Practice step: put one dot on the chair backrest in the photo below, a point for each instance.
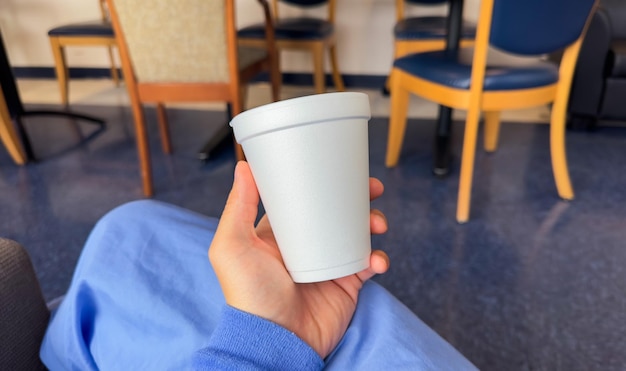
(23, 311)
(185, 41)
(517, 21)
(307, 4)
(534, 27)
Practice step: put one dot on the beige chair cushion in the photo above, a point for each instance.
(172, 44)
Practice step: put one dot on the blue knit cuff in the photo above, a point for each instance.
(244, 341)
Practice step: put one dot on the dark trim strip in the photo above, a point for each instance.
(297, 79)
(48, 73)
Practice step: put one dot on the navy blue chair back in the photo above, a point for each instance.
(533, 27)
(305, 2)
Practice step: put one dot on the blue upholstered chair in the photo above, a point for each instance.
(91, 33)
(416, 34)
(466, 80)
(302, 33)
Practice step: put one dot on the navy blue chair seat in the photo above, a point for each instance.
(428, 28)
(456, 71)
(96, 29)
(307, 32)
(302, 28)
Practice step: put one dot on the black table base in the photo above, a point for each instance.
(220, 140)
(441, 165)
(28, 148)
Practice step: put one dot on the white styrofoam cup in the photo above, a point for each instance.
(310, 160)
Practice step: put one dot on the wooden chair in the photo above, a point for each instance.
(9, 135)
(466, 81)
(93, 33)
(185, 52)
(303, 33)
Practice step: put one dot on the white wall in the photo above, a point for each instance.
(364, 30)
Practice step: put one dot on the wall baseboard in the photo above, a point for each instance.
(297, 79)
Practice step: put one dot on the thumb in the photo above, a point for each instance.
(242, 206)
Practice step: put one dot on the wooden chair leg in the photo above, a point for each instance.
(557, 148)
(318, 68)
(114, 74)
(492, 130)
(164, 130)
(8, 136)
(239, 156)
(141, 134)
(397, 119)
(337, 79)
(275, 78)
(467, 165)
(60, 66)
(557, 122)
(11, 141)
(236, 108)
(243, 99)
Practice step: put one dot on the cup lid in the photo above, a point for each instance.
(300, 111)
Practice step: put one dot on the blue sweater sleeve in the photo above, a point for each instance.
(243, 341)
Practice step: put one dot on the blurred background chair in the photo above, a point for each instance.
(195, 58)
(599, 86)
(418, 34)
(92, 33)
(24, 314)
(465, 80)
(303, 33)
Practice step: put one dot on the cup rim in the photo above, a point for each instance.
(300, 111)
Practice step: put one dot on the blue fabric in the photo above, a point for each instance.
(455, 70)
(266, 346)
(97, 28)
(428, 28)
(302, 28)
(534, 27)
(144, 297)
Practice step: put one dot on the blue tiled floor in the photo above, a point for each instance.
(530, 283)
